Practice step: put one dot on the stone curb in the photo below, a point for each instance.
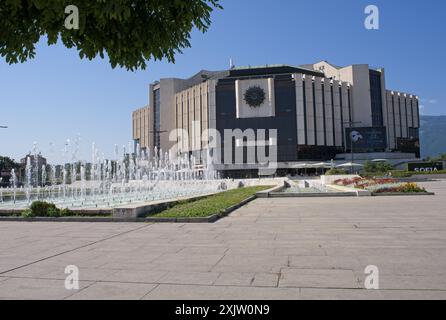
(79, 212)
(267, 193)
(390, 194)
(209, 219)
(312, 195)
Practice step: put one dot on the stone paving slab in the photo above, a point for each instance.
(413, 294)
(36, 289)
(318, 278)
(113, 291)
(340, 294)
(290, 248)
(235, 279)
(198, 278)
(188, 292)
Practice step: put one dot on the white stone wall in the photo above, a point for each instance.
(399, 106)
(195, 114)
(140, 126)
(318, 122)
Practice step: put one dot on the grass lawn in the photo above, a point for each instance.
(210, 205)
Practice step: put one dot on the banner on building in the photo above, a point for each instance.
(366, 139)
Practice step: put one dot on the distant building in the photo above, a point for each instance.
(38, 161)
(36, 172)
(315, 109)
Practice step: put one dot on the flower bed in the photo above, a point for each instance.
(402, 188)
(380, 185)
(364, 183)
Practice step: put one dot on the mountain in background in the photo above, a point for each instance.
(433, 136)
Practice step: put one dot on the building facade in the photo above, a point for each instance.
(313, 112)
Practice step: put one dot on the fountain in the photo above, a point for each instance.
(131, 177)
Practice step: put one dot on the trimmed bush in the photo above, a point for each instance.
(27, 213)
(44, 209)
(66, 213)
(378, 167)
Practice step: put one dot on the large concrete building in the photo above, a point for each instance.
(310, 111)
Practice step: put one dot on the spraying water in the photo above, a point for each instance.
(134, 175)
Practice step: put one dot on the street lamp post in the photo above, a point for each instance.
(350, 125)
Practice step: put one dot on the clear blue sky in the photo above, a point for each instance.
(57, 96)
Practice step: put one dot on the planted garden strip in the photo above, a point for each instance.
(381, 185)
(208, 206)
(178, 219)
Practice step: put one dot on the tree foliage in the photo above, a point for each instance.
(7, 163)
(378, 167)
(130, 32)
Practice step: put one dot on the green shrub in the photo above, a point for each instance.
(66, 213)
(53, 212)
(374, 174)
(335, 172)
(380, 168)
(43, 209)
(401, 174)
(27, 213)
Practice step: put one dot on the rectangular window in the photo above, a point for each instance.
(376, 98)
(156, 118)
(314, 114)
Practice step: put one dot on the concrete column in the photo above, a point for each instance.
(328, 114)
(390, 122)
(320, 116)
(396, 98)
(403, 115)
(311, 134)
(300, 109)
(337, 114)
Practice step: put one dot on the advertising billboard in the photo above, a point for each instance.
(366, 139)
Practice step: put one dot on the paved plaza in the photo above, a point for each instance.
(290, 248)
